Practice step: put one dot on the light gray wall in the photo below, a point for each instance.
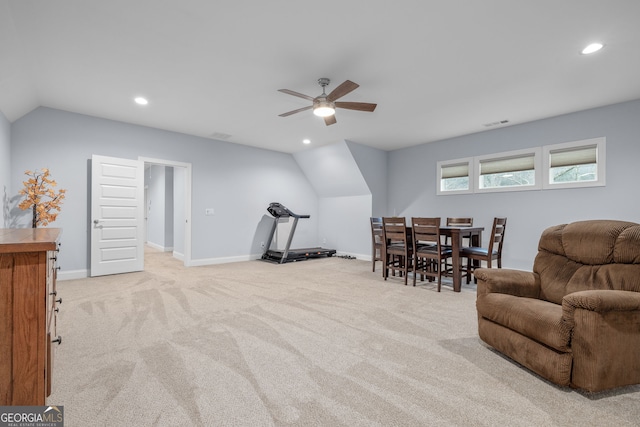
(412, 178)
(373, 167)
(344, 225)
(238, 181)
(178, 213)
(5, 169)
(332, 171)
(155, 181)
(344, 197)
(168, 208)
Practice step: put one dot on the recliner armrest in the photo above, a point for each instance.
(605, 337)
(506, 281)
(600, 301)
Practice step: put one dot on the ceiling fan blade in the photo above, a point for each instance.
(342, 90)
(295, 111)
(299, 95)
(330, 120)
(360, 106)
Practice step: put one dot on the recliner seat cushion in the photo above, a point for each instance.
(537, 319)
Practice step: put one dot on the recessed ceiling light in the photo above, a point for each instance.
(593, 47)
(306, 141)
(141, 101)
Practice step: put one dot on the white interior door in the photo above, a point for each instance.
(117, 215)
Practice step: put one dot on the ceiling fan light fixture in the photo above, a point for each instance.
(592, 48)
(325, 105)
(323, 108)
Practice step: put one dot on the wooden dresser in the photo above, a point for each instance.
(28, 312)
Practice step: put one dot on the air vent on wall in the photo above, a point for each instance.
(492, 124)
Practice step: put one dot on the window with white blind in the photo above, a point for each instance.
(454, 176)
(511, 171)
(566, 165)
(575, 164)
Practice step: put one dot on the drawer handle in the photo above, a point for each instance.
(57, 310)
(54, 293)
(59, 300)
(54, 258)
(58, 340)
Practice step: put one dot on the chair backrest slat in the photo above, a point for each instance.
(460, 222)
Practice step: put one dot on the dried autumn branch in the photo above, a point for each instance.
(41, 197)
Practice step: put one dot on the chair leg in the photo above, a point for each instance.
(415, 269)
(405, 267)
(385, 267)
(393, 261)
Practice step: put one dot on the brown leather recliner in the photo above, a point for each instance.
(574, 320)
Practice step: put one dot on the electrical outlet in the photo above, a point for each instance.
(209, 211)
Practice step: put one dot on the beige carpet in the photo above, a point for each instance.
(324, 342)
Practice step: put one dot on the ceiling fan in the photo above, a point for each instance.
(324, 105)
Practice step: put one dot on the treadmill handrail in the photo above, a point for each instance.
(278, 210)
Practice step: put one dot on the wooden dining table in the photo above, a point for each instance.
(457, 234)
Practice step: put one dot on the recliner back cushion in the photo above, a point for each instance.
(584, 255)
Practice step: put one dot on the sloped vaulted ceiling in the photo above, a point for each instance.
(436, 68)
(332, 171)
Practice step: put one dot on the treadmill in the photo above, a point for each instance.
(278, 211)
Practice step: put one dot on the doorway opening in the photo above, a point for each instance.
(167, 207)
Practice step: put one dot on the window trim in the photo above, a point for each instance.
(536, 152)
(445, 163)
(600, 143)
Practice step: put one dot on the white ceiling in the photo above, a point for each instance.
(436, 69)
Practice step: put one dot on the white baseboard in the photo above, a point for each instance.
(155, 246)
(83, 274)
(223, 260)
(160, 247)
(72, 274)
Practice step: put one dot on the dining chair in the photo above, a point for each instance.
(397, 253)
(429, 254)
(458, 222)
(476, 255)
(376, 241)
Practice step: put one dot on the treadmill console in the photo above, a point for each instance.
(278, 210)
